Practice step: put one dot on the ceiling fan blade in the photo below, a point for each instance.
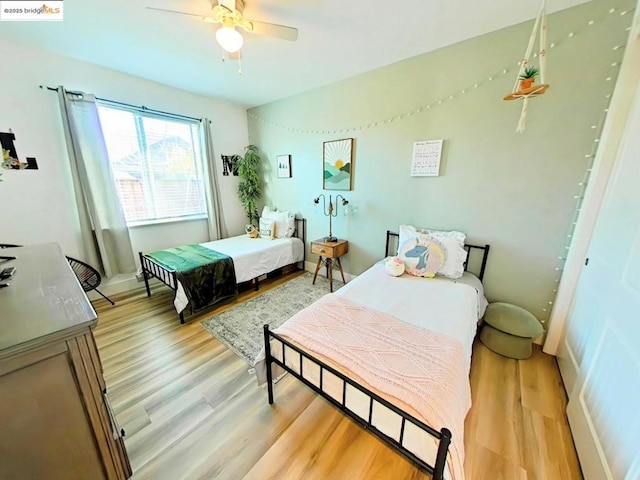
(272, 30)
(201, 17)
(229, 5)
(220, 12)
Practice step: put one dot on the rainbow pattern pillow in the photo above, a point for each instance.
(452, 241)
(422, 256)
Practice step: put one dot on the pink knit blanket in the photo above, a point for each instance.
(415, 369)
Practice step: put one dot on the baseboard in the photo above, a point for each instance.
(119, 284)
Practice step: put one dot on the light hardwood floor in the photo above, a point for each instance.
(191, 410)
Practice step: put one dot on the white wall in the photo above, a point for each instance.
(38, 205)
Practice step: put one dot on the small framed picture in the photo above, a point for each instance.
(284, 166)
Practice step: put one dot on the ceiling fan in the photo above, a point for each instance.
(229, 13)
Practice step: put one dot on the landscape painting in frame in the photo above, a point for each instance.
(338, 160)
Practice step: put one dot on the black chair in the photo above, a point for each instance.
(88, 276)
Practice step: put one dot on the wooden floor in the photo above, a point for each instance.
(191, 410)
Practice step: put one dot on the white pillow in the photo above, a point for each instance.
(291, 223)
(267, 228)
(279, 219)
(453, 243)
(285, 223)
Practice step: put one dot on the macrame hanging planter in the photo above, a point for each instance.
(523, 88)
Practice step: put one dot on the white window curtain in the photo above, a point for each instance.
(217, 226)
(104, 232)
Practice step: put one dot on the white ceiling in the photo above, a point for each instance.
(337, 39)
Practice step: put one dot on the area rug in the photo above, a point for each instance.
(241, 328)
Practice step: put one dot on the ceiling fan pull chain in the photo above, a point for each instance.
(239, 65)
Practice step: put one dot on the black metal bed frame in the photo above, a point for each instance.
(443, 436)
(151, 269)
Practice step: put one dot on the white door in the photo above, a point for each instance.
(603, 332)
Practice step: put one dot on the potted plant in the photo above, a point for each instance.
(249, 190)
(528, 77)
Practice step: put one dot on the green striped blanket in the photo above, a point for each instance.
(207, 276)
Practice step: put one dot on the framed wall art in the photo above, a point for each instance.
(284, 166)
(338, 164)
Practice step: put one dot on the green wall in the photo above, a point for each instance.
(514, 191)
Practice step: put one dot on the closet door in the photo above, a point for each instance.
(604, 326)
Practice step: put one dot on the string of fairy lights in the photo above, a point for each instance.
(441, 101)
(590, 156)
(582, 185)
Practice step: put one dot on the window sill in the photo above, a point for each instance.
(144, 223)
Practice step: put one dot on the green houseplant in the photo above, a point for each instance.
(528, 77)
(249, 190)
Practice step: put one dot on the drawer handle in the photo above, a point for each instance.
(322, 250)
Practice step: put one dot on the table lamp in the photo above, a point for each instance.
(332, 211)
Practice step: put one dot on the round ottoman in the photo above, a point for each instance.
(509, 330)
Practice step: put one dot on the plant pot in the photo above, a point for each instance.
(526, 83)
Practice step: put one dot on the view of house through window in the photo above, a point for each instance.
(156, 162)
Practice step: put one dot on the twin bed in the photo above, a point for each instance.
(202, 275)
(392, 353)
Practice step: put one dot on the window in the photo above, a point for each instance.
(156, 162)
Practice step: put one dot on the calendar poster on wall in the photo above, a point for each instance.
(425, 161)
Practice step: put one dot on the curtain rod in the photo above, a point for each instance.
(143, 108)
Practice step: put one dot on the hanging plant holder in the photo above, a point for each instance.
(524, 87)
(532, 91)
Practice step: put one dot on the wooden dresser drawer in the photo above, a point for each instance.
(330, 249)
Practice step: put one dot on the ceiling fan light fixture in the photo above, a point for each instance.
(229, 39)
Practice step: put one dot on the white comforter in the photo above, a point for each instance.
(252, 257)
(440, 304)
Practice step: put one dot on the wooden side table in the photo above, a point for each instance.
(329, 255)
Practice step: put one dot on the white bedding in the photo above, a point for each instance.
(446, 306)
(440, 304)
(252, 257)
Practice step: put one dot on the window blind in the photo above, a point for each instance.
(156, 162)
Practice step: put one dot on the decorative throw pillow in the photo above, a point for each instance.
(282, 222)
(452, 241)
(267, 228)
(291, 223)
(422, 257)
(394, 266)
(456, 255)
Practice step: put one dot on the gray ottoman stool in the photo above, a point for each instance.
(509, 330)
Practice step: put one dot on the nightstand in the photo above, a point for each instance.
(329, 255)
